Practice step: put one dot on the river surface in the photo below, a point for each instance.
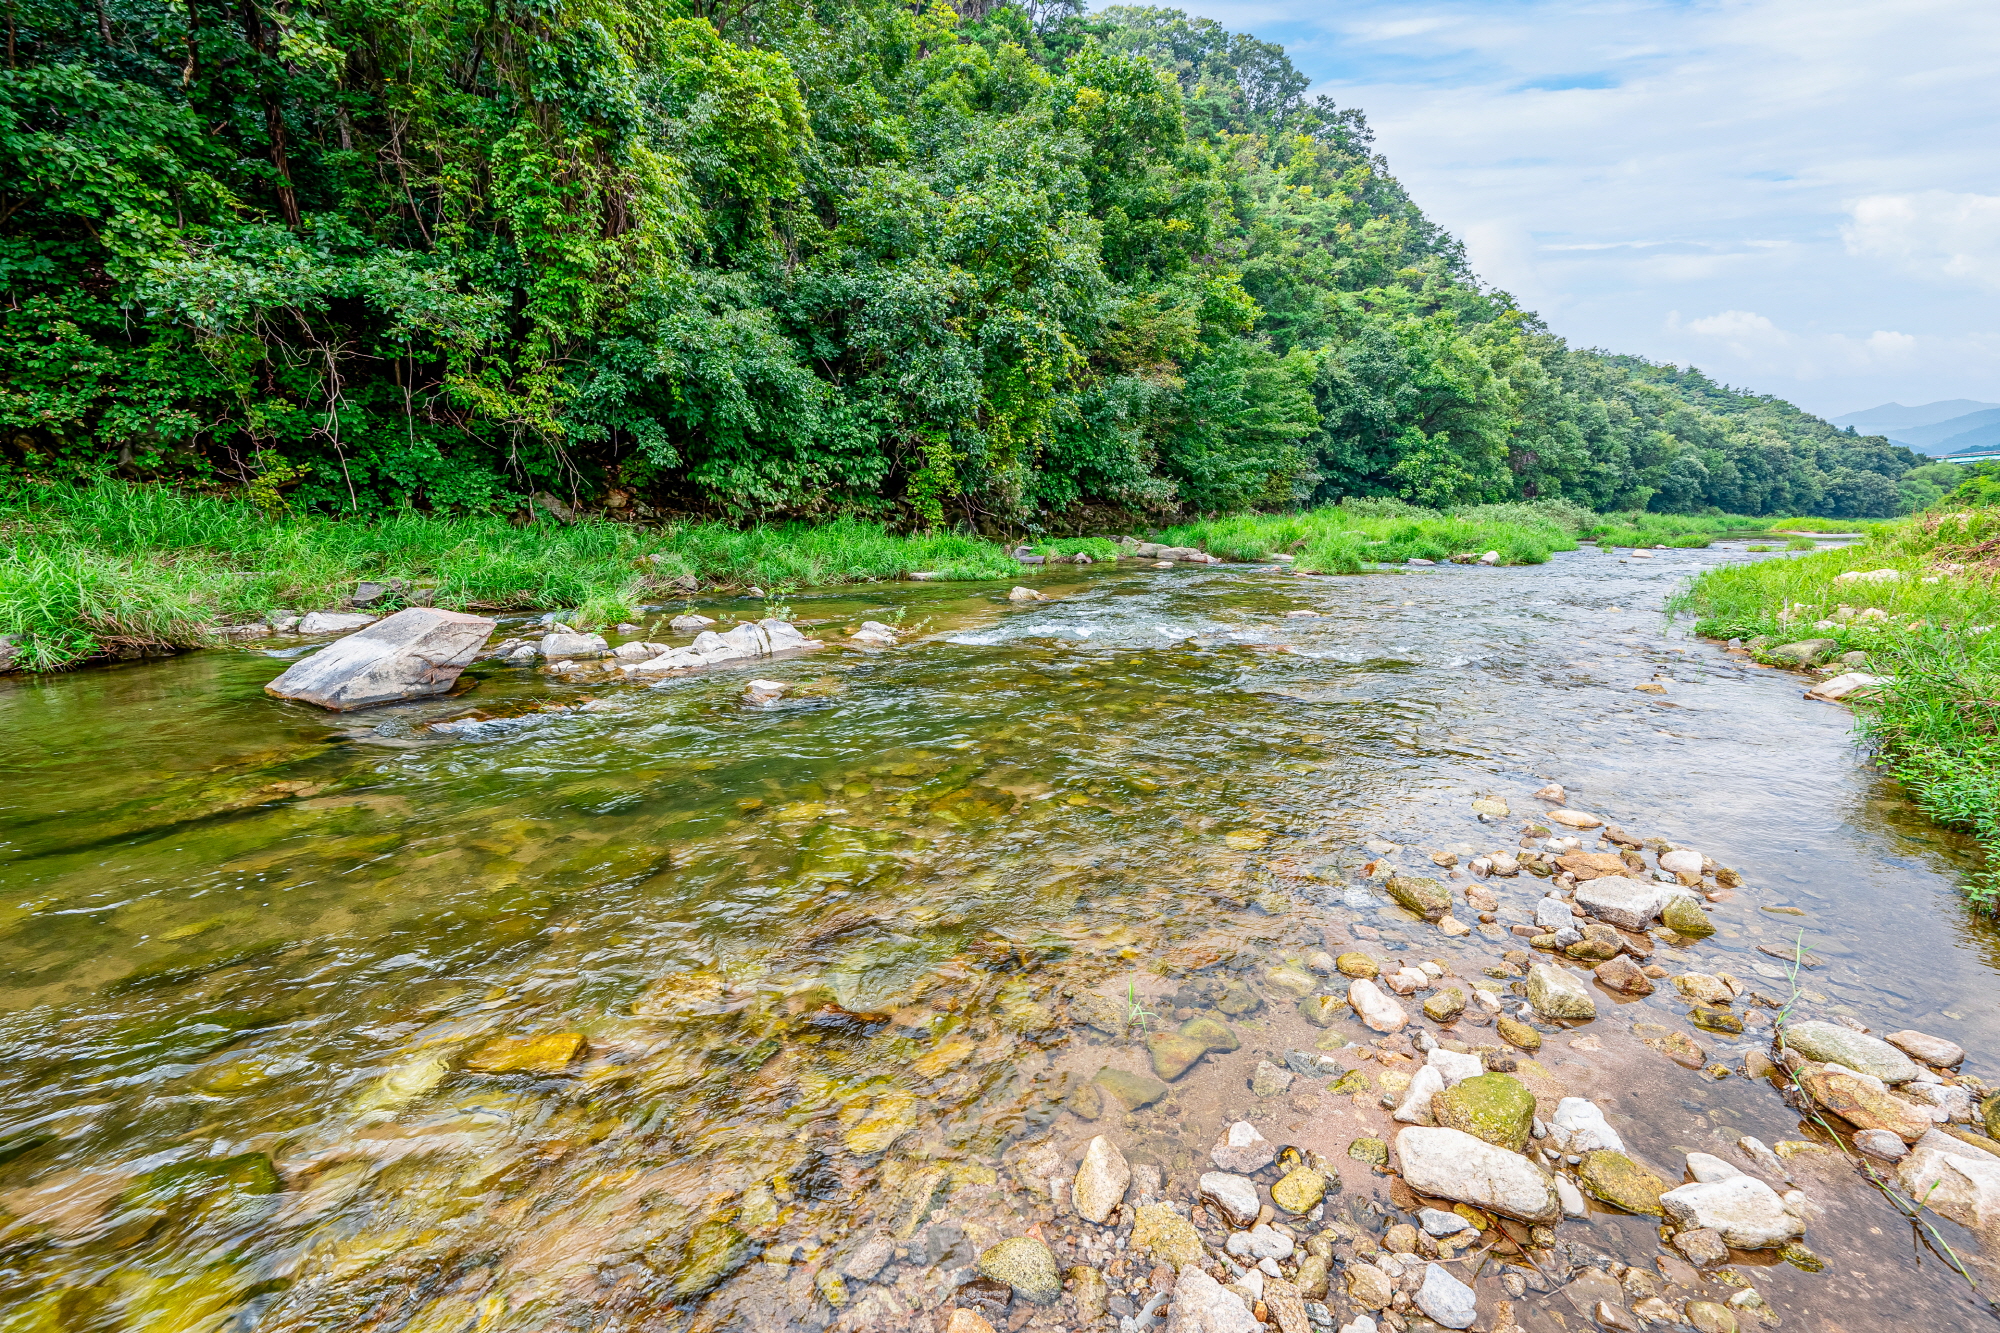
(828, 972)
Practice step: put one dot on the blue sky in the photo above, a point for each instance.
(1799, 197)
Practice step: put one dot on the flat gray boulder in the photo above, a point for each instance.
(333, 622)
(1623, 902)
(415, 653)
(1831, 1043)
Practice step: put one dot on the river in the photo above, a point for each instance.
(825, 974)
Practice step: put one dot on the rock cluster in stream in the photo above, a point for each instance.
(1483, 1154)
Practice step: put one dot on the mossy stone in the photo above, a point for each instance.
(1323, 1011)
(1492, 1107)
(1713, 1018)
(1616, 1179)
(1215, 1035)
(1026, 1265)
(1161, 1232)
(1683, 916)
(1296, 980)
(1300, 1191)
(1989, 1115)
(1372, 1151)
(1425, 897)
(1445, 1006)
(1517, 1033)
(714, 1250)
(1354, 963)
(1238, 999)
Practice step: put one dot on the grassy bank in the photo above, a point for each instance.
(1937, 724)
(86, 570)
(1343, 538)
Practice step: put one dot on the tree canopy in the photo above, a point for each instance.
(999, 267)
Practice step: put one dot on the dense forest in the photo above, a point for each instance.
(1006, 267)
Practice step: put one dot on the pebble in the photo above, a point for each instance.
(1101, 1180)
(1235, 1196)
(1437, 1222)
(1445, 1299)
(1556, 993)
(1242, 1150)
(1377, 1010)
(1260, 1242)
(1934, 1051)
(1025, 1264)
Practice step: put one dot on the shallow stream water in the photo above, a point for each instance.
(838, 968)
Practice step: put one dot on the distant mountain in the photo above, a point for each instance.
(1892, 419)
(1972, 430)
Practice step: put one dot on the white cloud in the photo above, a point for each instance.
(1610, 161)
(1933, 234)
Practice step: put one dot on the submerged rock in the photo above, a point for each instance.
(416, 653)
(1163, 1233)
(1133, 1091)
(549, 1054)
(1212, 1034)
(1621, 974)
(1174, 1054)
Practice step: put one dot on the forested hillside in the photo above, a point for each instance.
(781, 257)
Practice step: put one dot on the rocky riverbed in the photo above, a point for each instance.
(1205, 947)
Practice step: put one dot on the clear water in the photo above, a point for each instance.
(829, 962)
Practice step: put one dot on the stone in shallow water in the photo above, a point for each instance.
(1684, 916)
(1517, 1033)
(1216, 1036)
(1163, 1233)
(1450, 1164)
(1242, 1150)
(1323, 1011)
(1935, 1051)
(1375, 1152)
(1445, 1299)
(1356, 964)
(1742, 1210)
(1557, 993)
(1260, 1242)
(415, 653)
(550, 1054)
(1101, 1180)
(1492, 1107)
(1832, 1043)
(1616, 1179)
(1173, 1054)
(1203, 1305)
(1026, 1265)
(1621, 901)
(1270, 1080)
(1863, 1104)
(1133, 1091)
(1621, 974)
(1377, 1010)
(1300, 1191)
(1425, 897)
(1234, 1195)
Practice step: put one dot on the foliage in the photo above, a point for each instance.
(88, 570)
(1342, 539)
(998, 271)
(1937, 719)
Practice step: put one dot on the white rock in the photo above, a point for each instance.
(1621, 901)
(1451, 1164)
(764, 693)
(689, 624)
(1746, 1212)
(1020, 594)
(1375, 1009)
(1767, 1161)
(1575, 819)
(1490, 558)
(568, 647)
(1706, 1168)
(1455, 1066)
(1505, 866)
(1960, 1182)
(1416, 1105)
(1203, 1305)
(1682, 861)
(1362, 1323)
(1235, 1196)
(1242, 1149)
(335, 622)
(1572, 1198)
(1100, 1180)
(1406, 981)
(1556, 992)
(1438, 1222)
(1553, 913)
(1579, 1127)
(1446, 1300)
(1870, 576)
(1260, 1242)
(1846, 685)
(639, 652)
(417, 652)
(1835, 1043)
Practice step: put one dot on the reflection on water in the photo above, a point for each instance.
(639, 1006)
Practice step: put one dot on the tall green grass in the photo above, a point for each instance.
(88, 569)
(1345, 538)
(1937, 724)
(1640, 528)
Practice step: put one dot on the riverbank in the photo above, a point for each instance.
(1913, 607)
(117, 569)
